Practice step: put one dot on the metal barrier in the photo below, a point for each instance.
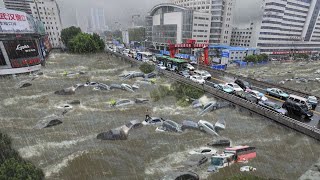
(287, 121)
(261, 84)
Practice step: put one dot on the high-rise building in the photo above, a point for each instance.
(47, 11)
(221, 17)
(244, 37)
(97, 20)
(19, 5)
(176, 24)
(289, 27)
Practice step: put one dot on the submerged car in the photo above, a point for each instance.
(313, 101)
(123, 102)
(208, 107)
(134, 124)
(207, 127)
(273, 106)
(220, 142)
(204, 151)
(196, 160)
(278, 93)
(113, 134)
(224, 88)
(243, 84)
(197, 79)
(247, 169)
(181, 176)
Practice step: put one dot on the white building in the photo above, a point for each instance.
(48, 12)
(291, 26)
(21, 5)
(97, 20)
(244, 37)
(177, 24)
(221, 17)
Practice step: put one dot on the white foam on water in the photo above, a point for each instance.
(39, 149)
(167, 163)
(172, 110)
(56, 168)
(14, 100)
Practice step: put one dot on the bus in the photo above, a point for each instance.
(242, 153)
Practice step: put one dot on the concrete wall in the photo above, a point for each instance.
(174, 18)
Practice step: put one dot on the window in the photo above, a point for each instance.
(2, 60)
(28, 48)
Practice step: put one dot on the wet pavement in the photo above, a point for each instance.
(71, 150)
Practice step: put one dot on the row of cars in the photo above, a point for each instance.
(294, 106)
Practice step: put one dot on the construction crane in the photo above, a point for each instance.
(133, 16)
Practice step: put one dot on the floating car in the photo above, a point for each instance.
(247, 169)
(181, 176)
(278, 93)
(134, 124)
(234, 86)
(171, 126)
(208, 107)
(204, 151)
(197, 79)
(187, 124)
(207, 127)
(123, 102)
(224, 88)
(49, 122)
(153, 121)
(141, 100)
(273, 106)
(196, 160)
(220, 142)
(113, 134)
(196, 104)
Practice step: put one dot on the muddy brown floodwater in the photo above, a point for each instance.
(71, 150)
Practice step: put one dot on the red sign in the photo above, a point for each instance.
(25, 62)
(12, 17)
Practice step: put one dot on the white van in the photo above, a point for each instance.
(300, 100)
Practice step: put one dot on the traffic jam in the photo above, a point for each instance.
(302, 109)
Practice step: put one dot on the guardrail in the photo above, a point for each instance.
(256, 82)
(287, 121)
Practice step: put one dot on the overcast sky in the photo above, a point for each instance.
(122, 10)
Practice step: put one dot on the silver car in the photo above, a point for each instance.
(207, 127)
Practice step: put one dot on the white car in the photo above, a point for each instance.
(204, 151)
(161, 66)
(203, 73)
(258, 95)
(207, 127)
(234, 86)
(247, 169)
(197, 79)
(190, 67)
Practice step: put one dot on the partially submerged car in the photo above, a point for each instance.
(220, 142)
(123, 102)
(196, 104)
(278, 93)
(156, 121)
(188, 175)
(208, 107)
(49, 121)
(113, 134)
(171, 126)
(189, 67)
(185, 74)
(207, 127)
(297, 110)
(243, 84)
(273, 106)
(246, 96)
(133, 124)
(204, 74)
(247, 168)
(188, 124)
(196, 160)
(204, 151)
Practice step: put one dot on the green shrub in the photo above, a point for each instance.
(160, 92)
(146, 68)
(245, 177)
(183, 90)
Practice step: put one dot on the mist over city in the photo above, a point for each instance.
(159, 89)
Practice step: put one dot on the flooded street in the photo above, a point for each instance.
(71, 150)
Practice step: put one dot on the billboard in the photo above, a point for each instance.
(22, 53)
(15, 21)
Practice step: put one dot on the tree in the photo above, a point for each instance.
(251, 58)
(13, 169)
(69, 33)
(100, 42)
(146, 68)
(262, 57)
(137, 34)
(84, 43)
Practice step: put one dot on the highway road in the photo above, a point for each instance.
(224, 79)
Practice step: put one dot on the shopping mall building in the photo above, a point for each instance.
(23, 43)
